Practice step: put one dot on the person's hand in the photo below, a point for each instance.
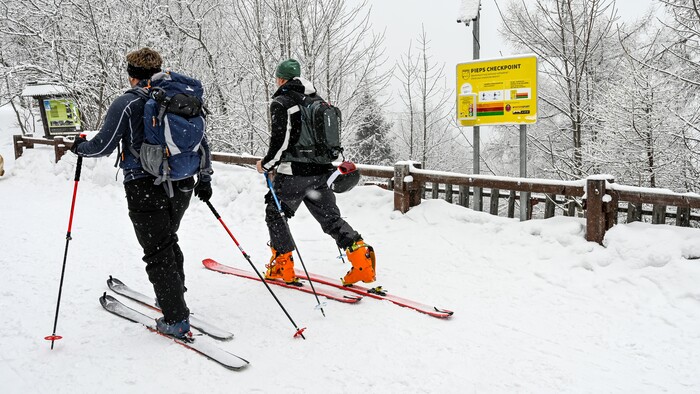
(78, 140)
(288, 212)
(203, 191)
(258, 166)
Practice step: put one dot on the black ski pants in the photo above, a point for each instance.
(156, 219)
(292, 190)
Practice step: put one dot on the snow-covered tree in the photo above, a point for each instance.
(373, 144)
(572, 40)
(232, 46)
(334, 43)
(426, 128)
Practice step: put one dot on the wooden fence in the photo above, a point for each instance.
(598, 198)
(60, 145)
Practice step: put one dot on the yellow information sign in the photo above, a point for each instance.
(501, 91)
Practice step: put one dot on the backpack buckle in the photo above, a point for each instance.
(157, 94)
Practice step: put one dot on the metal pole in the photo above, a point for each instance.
(53, 337)
(319, 305)
(524, 196)
(476, 140)
(300, 331)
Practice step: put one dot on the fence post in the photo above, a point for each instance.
(448, 193)
(658, 214)
(570, 206)
(493, 201)
(549, 205)
(407, 192)
(416, 190)
(683, 216)
(59, 147)
(610, 207)
(401, 197)
(634, 212)
(18, 144)
(530, 208)
(597, 219)
(511, 204)
(464, 196)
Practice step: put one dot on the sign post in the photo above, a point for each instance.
(476, 132)
(524, 196)
(500, 92)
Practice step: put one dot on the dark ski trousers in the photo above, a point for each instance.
(292, 190)
(156, 219)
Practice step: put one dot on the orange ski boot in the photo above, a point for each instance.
(363, 262)
(281, 266)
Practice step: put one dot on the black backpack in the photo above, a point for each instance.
(319, 141)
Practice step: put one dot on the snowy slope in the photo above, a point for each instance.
(537, 308)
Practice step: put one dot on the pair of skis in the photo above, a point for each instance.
(330, 288)
(199, 345)
(334, 290)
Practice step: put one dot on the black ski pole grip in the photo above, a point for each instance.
(79, 164)
(78, 168)
(216, 214)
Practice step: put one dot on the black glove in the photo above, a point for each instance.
(203, 191)
(78, 140)
(288, 212)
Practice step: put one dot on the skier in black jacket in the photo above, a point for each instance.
(296, 182)
(156, 218)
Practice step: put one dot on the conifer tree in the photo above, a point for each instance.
(372, 142)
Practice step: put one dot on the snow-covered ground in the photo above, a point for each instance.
(537, 308)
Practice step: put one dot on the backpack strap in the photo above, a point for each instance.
(169, 189)
(164, 180)
(158, 94)
(142, 93)
(166, 169)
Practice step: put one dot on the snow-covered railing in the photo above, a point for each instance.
(598, 198)
(60, 145)
(617, 198)
(547, 190)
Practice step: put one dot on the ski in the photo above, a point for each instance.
(209, 350)
(120, 288)
(380, 294)
(332, 294)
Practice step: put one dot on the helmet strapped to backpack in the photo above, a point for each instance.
(344, 178)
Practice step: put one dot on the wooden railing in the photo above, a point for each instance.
(60, 145)
(598, 198)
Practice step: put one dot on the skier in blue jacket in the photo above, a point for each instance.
(155, 217)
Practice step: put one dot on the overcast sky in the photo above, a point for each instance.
(451, 42)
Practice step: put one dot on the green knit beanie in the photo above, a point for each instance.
(288, 69)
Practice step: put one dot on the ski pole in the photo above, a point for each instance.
(340, 255)
(284, 218)
(53, 337)
(300, 332)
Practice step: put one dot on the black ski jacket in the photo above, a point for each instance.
(286, 128)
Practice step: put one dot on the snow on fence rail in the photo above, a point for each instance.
(60, 145)
(598, 198)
